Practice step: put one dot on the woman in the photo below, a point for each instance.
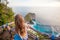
(21, 28)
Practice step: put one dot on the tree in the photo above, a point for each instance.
(6, 14)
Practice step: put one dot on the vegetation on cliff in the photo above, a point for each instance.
(27, 17)
(6, 14)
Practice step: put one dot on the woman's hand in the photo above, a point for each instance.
(8, 28)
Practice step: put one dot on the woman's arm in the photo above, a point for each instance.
(29, 26)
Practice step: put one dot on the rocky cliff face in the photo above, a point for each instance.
(29, 17)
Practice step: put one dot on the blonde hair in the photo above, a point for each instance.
(19, 22)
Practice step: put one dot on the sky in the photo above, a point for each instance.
(47, 11)
(34, 3)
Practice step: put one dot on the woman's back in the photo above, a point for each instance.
(19, 37)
